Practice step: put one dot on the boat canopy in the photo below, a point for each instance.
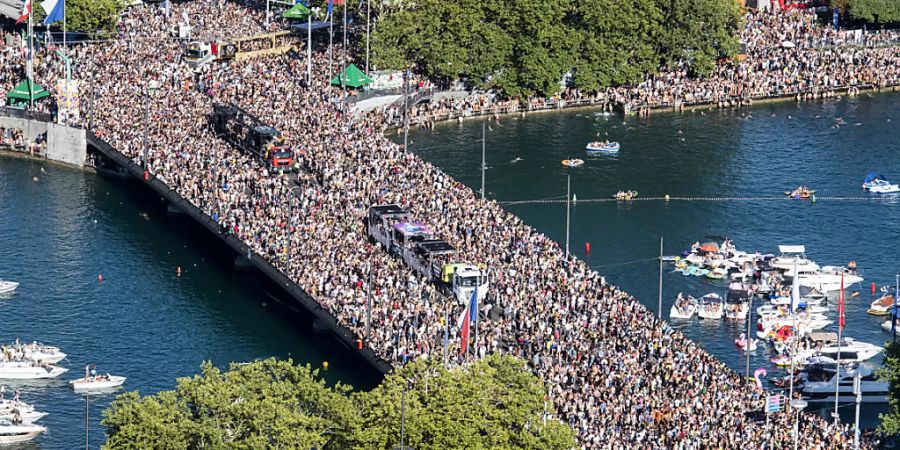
(872, 176)
(711, 298)
(736, 296)
(709, 247)
(823, 337)
(792, 249)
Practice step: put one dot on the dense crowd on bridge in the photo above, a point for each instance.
(618, 375)
(787, 54)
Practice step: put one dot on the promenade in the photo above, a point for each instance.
(618, 375)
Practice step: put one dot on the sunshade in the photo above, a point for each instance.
(354, 77)
(298, 11)
(20, 92)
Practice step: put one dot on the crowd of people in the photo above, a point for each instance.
(618, 375)
(786, 54)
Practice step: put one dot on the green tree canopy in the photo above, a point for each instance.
(875, 10)
(525, 47)
(98, 18)
(265, 404)
(495, 403)
(890, 422)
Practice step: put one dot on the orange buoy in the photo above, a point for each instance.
(873, 288)
(100, 278)
(587, 248)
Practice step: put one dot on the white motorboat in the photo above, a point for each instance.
(876, 183)
(11, 433)
(27, 370)
(711, 307)
(683, 308)
(851, 351)
(98, 382)
(35, 351)
(826, 279)
(792, 255)
(873, 391)
(882, 305)
(25, 416)
(886, 326)
(7, 287)
(737, 303)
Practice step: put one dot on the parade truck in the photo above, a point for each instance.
(435, 259)
(247, 133)
(199, 53)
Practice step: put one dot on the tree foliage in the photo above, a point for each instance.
(524, 47)
(495, 403)
(875, 10)
(96, 17)
(890, 422)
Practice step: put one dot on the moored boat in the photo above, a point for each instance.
(683, 308)
(93, 381)
(881, 306)
(876, 183)
(7, 287)
(872, 390)
(711, 307)
(602, 147)
(572, 162)
(11, 433)
(27, 370)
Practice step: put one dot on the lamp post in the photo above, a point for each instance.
(798, 405)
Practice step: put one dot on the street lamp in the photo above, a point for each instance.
(799, 405)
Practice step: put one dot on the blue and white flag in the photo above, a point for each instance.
(894, 312)
(55, 9)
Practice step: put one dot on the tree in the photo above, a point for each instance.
(875, 10)
(264, 404)
(890, 422)
(495, 403)
(98, 18)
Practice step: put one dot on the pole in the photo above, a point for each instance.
(749, 340)
(837, 376)
(894, 310)
(267, 14)
(30, 61)
(446, 332)
(483, 135)
(794, 334)
(87, 427)
(369, 305)
(309, 49)
(330, 40)
(368, 19)
(660, 275)
(344, 58)
(405, 111)
(568, 199)
(796, 422)
(64, 26)
(858, 401)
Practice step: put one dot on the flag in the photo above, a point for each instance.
(464, 330)
(894, 312)
(841, 304)
(330, 6)
(473, 306)
(26, 11)
(795, 290)
(55, 9)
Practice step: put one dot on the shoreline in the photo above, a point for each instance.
(25, 155)
(588, 105)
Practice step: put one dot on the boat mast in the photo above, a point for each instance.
(568, 198)
(837, 376)
(794, 332)
(483, 135)
(749, 339)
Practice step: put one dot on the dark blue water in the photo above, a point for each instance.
(757, 152)
(59, 233)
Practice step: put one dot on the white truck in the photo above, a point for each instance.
(432, 258)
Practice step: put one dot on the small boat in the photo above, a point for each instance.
(35, 352)
(11, 432)
(27, 370)
(92, 381)
(793, 256)
(802, 192)
(737, 302)
(876, 183)
(711, 307)
(602, 147)
(683, 308)
(625, 195)
(7, 287)
(25, 416)
(572, 162)
(886, 325)
(881, 306)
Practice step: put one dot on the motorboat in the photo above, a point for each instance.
(826, 279)
(35, 351)
(872, 390)
(711, 307)
(602, 147)
(851, 350)
(7, 287)
(27, 370)
(801, 193)
(881, 306)
(11, 433)
(876, 183)
(625, 195)
(572, 162)
(97, 382)
(886, 325)
(25, 416)
(27, 413)
(683, 308)
(737, 302)
(791, 255)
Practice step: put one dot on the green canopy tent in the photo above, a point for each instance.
(297, 12)
(355, 77)
(20, 94)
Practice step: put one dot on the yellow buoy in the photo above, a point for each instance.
(325, 365)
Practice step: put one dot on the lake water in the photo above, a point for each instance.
(756, 152)
(59, 233)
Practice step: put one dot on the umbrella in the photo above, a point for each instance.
(709, 247)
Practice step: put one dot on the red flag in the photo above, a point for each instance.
(464, 331)
(26, 11)
(841, 304)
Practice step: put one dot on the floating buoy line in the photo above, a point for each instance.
(668, 198)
